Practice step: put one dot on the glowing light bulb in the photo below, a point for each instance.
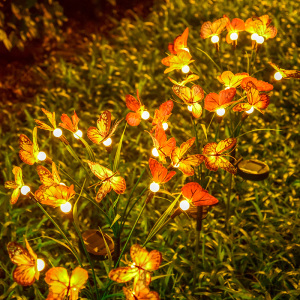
(154, 187)
(25, 189)
(185, 69)
(190, 108)
(107, 142)
(145, 115)
(61, 183)
(277, 76)
(260, 39)
(133, 265)
(215, 39)
(227, 88)
(254, 36)
(57, 132)
(234, 36)
(40, 264)
(220, 112)
(165, 126)
(186, 49)
(176, 165)
(155, 152)
(184, 205)
(78, 134)
(42, 156)
(66, 207)
(250, 111)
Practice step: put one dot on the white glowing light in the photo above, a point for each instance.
(133, 265)
(260, 39)
(277, 76)
(184, 205)
(42, 156)
(155, 152)
(57, 132)
(186, 49)
(107, 142)
(66, 207)
(190, 108)
(165, 126)
(61, 183)
(25, 189)
(254, 36)
(215, 39)
(78, 134)
(250, 111)
(176, 165)
(145, 115)
(234, 36)
(227, 88)
(220, 112)
(185, 69)
(40, 264)
(154, 187)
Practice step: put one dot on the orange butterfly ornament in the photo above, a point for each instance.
(189, 78)
(214, 157)
(233, 28)
(163, 146)
(176, 62)
(285, 74)
(15, 185)
(185, 164)
(194, 192)
(140, 292)
(104, 130)
(62, 286)
(51, 117)
(191, 97)
(143, 263)
(26, 271)
(46, 177)
(134, 118)
(214, 101)
(260, 85)
(163, 113)
(29, 149)
(67, 123)
(180, 42)
(261, 26)
(110, 180)
(211, 29)
(231, 80)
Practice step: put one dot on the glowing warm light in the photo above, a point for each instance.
(234, 36)
(133, 265)
(254, 36)
(154, 187)
(57, 132)
(227, 88)
(77, 134)
(176, 165)
(277, 76)
(185, 69)
(145, 115)
(215, 39)
(165, 126)
(190, 108)
(184, 205)
(220, 112)
(74, 289)
(61, 183)
(40, 264)
(25, 189)
(155, 152)
(186, 49)
(66, 207)
(42, 156)
(107, 142)
(260, 39)
(250, 111)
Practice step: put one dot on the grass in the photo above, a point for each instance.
(258, 257)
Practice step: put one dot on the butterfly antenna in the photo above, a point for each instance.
(98, 183)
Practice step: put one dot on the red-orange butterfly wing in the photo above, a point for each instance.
(159, 172)
(118, 184)
(260, 85)
(123, 274)
(26, 152)
(180, 42)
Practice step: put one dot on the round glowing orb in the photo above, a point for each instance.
(220, 112)
(25, 189)
(250, 111)
(155, 152)
(185, 69)
(186, 49)
(57, 132)
(66, 207)
(154, 187)
(61, 183)
(184, 205)
(107, 142)
(227, 88)
(42, 156)
(254, 36)
(215, 39)
(78, 134)
(165, 126)
(260, 39)
(40, 264)
(234, 36)
(176, 165)
(145, 115)
(190, 108)
(133, 265)
(277, 76)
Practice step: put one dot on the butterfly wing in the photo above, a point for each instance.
(184, 93)
(58, 281)
(196, 110)
(225, 145)
(181, 41)
(101, 172)
(26, 152)
(185, 166)
(45, 175)
(206, 30)
(159, 172)
(142, 292)
(132, 103)
(104, 189)
(118, 184)
(178, 153)
(50, 116)
(133, 119)
(78, 280)
(123, 274)
(258, 101)
(219, 25)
